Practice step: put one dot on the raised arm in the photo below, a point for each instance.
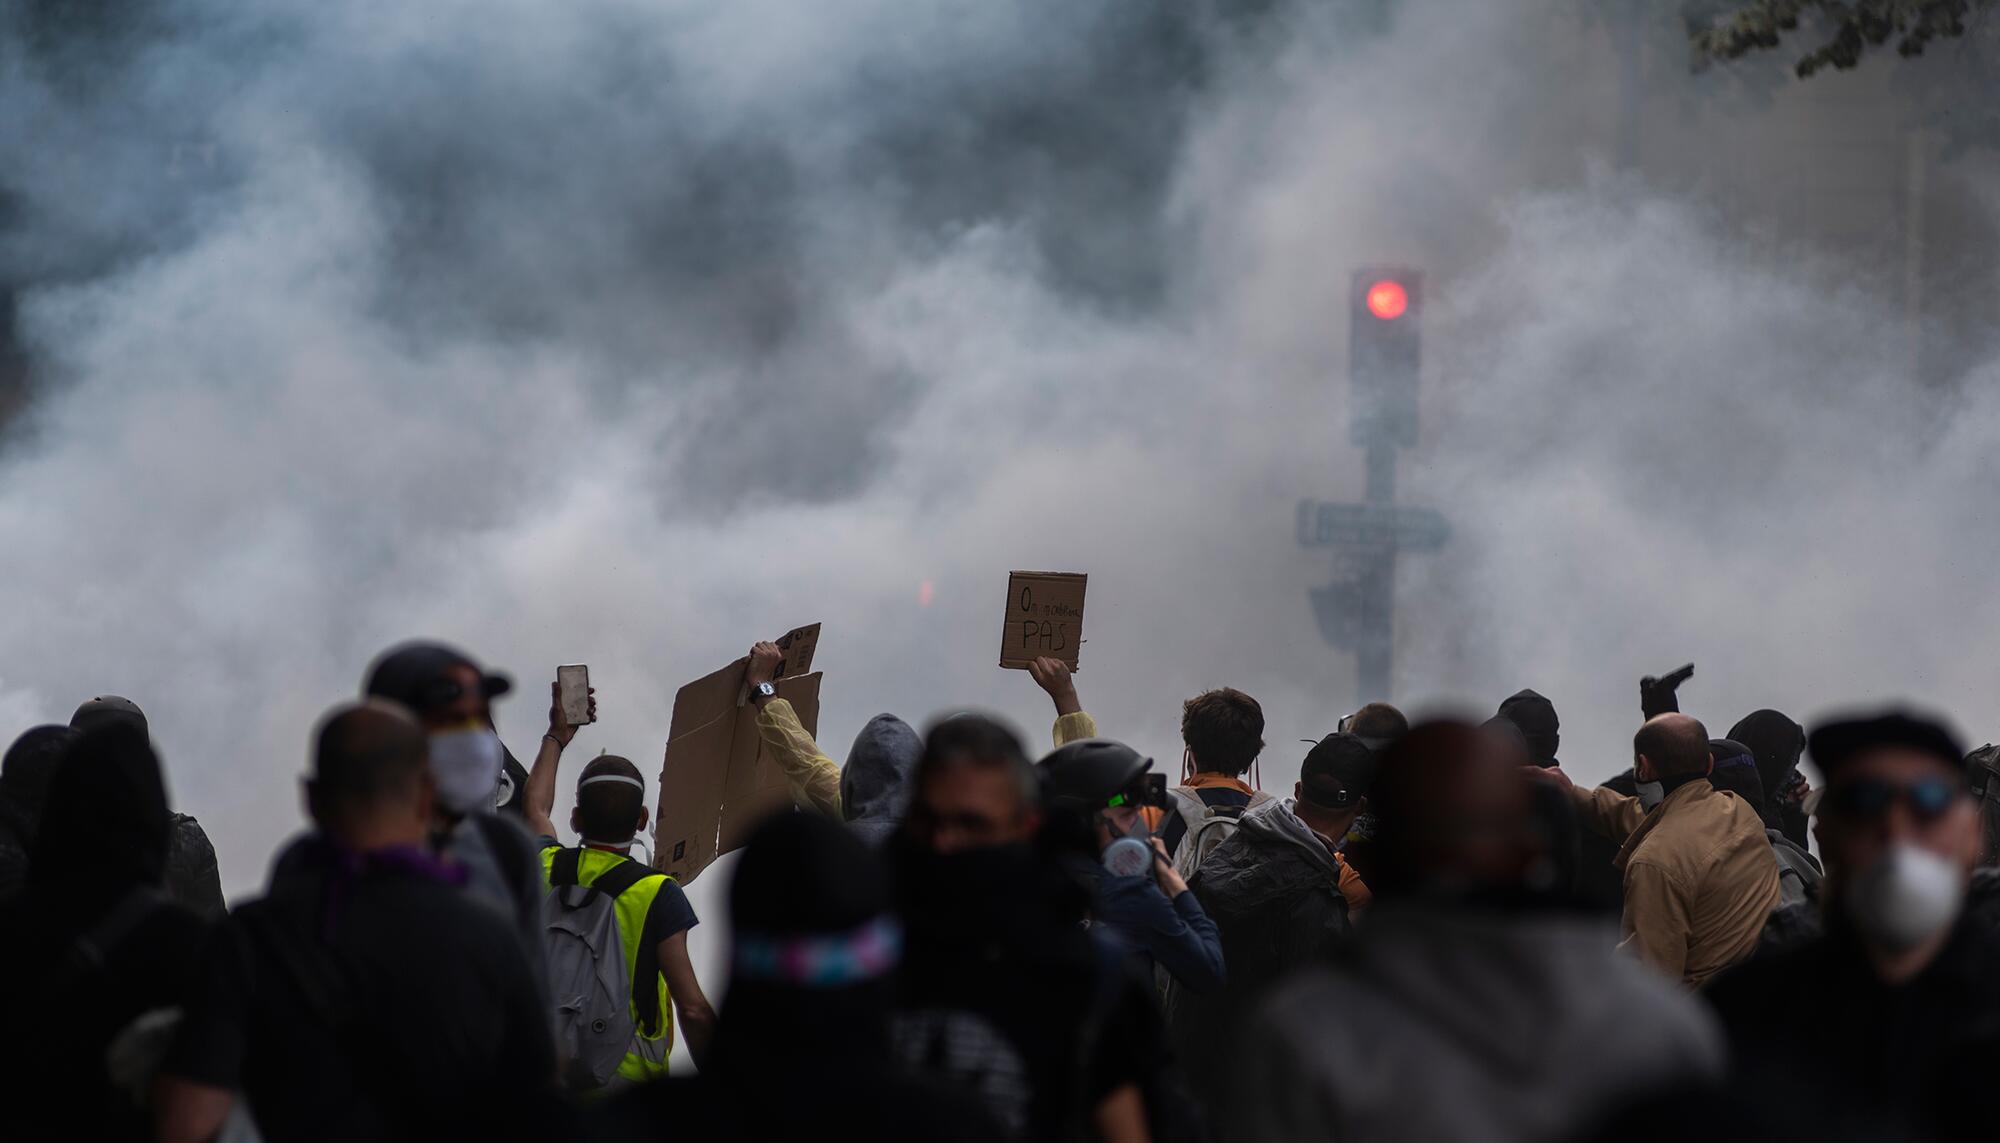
(1054, 677)
(814, 777)
(538, 801)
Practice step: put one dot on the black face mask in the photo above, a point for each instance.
(991, 889)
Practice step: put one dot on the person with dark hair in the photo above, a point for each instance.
(1700, 879)
(597, 882)
(1470, 1007)
(97, 958)
(1223, 733)
(1377, 724)
(193, 878)
(1004, 992)
(25, 773)
(1282, 897)
(452, 698)
(815, 948)
(364, 996)
(1776, 742)
(1888, 1023)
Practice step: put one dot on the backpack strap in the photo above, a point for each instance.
(614, 881)
(562, 868)
(94, 946)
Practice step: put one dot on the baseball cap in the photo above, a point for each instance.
(416, 675)
(1337, 771)
(1835, 743)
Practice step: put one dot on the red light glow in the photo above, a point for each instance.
(1387, 300)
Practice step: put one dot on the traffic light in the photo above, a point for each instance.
(1383, 366)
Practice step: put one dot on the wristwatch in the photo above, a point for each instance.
(761, 692)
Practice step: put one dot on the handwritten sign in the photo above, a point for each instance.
(1044, 618)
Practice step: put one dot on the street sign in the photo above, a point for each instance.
(1384, 527)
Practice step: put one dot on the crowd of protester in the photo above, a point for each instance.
(1434, 934)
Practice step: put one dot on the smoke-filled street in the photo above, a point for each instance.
(361, 365)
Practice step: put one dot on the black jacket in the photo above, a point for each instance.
(1815, 1030)
(1273, 891)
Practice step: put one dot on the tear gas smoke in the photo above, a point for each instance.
(629, 332)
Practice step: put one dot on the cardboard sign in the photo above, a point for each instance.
(1044, 618)
(718, 779)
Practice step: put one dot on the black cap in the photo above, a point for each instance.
(1337, 771)
(415, 674)
(1834, 744)
(1092, 771)
(108, 708)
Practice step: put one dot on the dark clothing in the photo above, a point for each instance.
(16, 834)
(875, 783)
(1003, 993)
(1600, 884)
(192, 876)
(874, 1108)
(58, 1016)
(378, 1005)
(92, 944)
(1776, 742)
(1536, 716)
(1177, 935)
(1273, 889)
(1176, 826)
(1814, 1029)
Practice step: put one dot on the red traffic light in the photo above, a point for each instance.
(1387, 299)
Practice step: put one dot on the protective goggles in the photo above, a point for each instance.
(1150, 790)
(1870, 799)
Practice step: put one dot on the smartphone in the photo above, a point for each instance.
(573, 692)
(1156, 790)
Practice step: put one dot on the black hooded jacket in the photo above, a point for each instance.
(93, 943)
(1776, 742)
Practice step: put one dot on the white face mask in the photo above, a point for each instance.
(1905, 898)
(1650, 793)
(466, 765)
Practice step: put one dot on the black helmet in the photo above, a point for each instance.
(1091, 772)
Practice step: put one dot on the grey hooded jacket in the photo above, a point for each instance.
(1450, 1023)
(875, 783)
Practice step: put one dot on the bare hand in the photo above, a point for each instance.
(1552, 774)
(1053, 676)
(765, 661)
(559, 727)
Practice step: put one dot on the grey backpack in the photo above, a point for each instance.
(588, 981)
(1207, 826)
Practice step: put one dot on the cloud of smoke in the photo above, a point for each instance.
(627, 333)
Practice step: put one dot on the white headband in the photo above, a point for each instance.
(625, 778)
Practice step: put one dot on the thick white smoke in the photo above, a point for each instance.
(627, 333)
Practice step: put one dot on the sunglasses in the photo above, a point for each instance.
(1869, 799)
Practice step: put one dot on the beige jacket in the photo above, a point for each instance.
(1700, 880)
(815, 779)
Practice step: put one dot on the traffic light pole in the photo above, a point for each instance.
(1375, 649)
